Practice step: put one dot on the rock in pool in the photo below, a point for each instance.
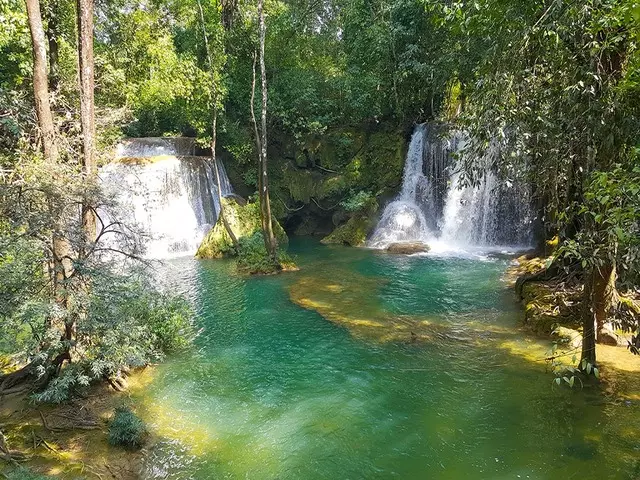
(407, 248)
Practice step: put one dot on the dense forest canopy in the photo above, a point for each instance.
(550, 88)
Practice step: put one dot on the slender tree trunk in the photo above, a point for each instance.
(269, 237)
(40, 82)
(214, 127)
(258, 144)
(60, 267)
(588, 324)
(87, 108)
(53, 32)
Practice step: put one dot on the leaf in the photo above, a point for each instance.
(596, 372)
(589, 367)
(572, 381)
(558, 380)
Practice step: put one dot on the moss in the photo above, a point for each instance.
(547, 307)
(379, 163)
(244, 221)
(253, 258)
(353, 233)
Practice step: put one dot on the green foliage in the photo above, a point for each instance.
(611, 209)
(127, 323)
(253, 257)
(359, 201)
(127, 429)
(119, 316)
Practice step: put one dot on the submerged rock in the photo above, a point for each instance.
(407, 248)
(244, 219)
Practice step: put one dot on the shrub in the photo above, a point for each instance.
(127, 429)
(253, 257)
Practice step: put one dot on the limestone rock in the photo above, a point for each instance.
(407, 248)
(353, 233)
(244, 219)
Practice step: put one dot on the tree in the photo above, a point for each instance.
(263, 182)
(87, 107)
(40, 82)
(214, 123)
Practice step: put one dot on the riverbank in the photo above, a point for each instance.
(70, 440)
(552, 311)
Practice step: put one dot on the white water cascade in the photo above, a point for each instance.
(165, 191)
(434, 207)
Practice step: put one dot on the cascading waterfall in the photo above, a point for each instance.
(404, 219)
(435, 207)
(166, 193)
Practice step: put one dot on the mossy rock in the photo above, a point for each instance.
(353, 233)
(379, 164)
(547, 308)
(244, 220)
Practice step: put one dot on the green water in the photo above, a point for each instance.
(277, 391)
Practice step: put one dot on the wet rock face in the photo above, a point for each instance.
(407, 248)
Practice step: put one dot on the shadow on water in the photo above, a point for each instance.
(370, 366)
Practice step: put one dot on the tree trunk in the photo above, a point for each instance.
(40, 82)
(588, 324)
(60, 267)
(214, 127)
(258, 145)
(269, 237)
(53, 32)
(604, 295)
(87, 108)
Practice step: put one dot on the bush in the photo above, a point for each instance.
(127, 323)
(253, 257)
(127, 429)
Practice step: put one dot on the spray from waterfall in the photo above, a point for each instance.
(435, 207)
(169, 194)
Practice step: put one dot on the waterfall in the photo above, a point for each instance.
(435, 207)
(165, 192)
(404, 219)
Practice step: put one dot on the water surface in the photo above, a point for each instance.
(406, 375)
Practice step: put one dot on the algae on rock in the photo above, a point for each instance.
(353, 233)
(244, 220)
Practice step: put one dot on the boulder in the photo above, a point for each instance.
(353, 233)
(609, 337)
(407, 248)
(244, 219)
